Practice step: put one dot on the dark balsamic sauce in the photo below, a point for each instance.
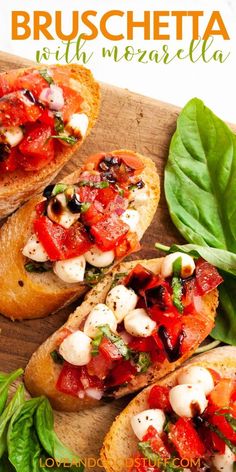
(173, 352)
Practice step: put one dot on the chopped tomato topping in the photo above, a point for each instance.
(32, 81)
(123, 372)
(36, 147)
(17, 110)
(5, 87)
(132, 161)
(99, 366)
(159, 398)
(72, 100)
(109, 350)
(221, 395)
(129, 245)
(186, 439)
(207, 277)
(92, 215)
(69, 380)
(106, 195)
(219, 420)
(215, 375)
(11, 162)
(61, 243)
(156, 442)
(109, 232)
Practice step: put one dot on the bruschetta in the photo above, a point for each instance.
(45, 114)
(185, 422)
(137, 325)
(59, 243)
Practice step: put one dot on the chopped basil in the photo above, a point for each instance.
(177, 285)
(56, 357)
(143, 362)
(44, 73)
(59, 123)
(166, 465)
(116, 340)
(93, 275)
(117, 277)
(85, 206)
(38, 267)
(96, 343)
(71, 140)
(120, 190)
(59, 188)
(219, 433)
(229, 418)
(87, 183)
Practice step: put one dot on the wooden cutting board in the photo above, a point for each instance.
(130, 121)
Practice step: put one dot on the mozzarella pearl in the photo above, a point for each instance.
(98, 258)
(121, 300)
(78, 125)
(187, 265)
(224, 462)
(99, 316)
(34, 250)
(141, 422)
(71, 270)
(63, 217)
(131, 218)
(139, 196)
(138, 323)
(188, 400)
(13, 135)
(197, 375)
(76, 348)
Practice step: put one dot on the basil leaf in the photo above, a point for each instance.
(38, 267)
(22, 442)
(230, 419)
(71, 140)
(44, 423)
(177, 293)
(117, 341)
(96, 343)
(165, 465)
(16, 401)
(56, 357)
(44, 73)
(85, 206)
(143, 362)
(201, 195)
(87, 183)
(5, 381)
(117, 277)
(93, 275)
(58, 122)
(214, 428)
(59, 188)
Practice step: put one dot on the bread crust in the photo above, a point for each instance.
(17, 187)
(26, 296)
(120, 443)
(41, 372)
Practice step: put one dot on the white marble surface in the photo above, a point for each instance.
(175, 83)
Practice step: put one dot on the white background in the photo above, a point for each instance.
(174, 83)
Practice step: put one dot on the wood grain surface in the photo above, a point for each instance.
(130, 121)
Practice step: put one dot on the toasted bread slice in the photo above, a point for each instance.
(120, 443)
(18, 186)
(29, 295)
(41, 373)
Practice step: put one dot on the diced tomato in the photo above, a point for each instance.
(129, 245)
(11, 162)
(36, 148)
(156, 442)
(89, 381)
(123, 372)
(47, 118)
(41, 207)
(4, 86)
(106, 195)
(196, 327)
(61, 243)
(142, 344)
(72, 100)
(99, 366)
(138, 278)
(221, 395)
(215, 375)
(159, 398)
(117, 205)
(222, 424)
(109, 232)
(69, 380)
(92, 215)
(207, 277)
(15, 111)
(109, 350)
(186, 440)
(32, 81)
(132, 161)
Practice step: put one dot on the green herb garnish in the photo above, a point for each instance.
(117, 277)
(71, 140)
(56, 357)
(96, 343)
(177, 285)
(143, 362)
(59, 188)
(214, 428)
(87, 183)
(59, 123)
(85, 206)
(115, 339)
(93, 275)
(229, 418)
(37, 267)
(155, 459)
(44, 73)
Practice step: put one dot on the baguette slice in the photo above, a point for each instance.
(31, 295)
(120, 443)
(41, 373)
(17, 187)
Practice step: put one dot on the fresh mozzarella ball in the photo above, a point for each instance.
(139, 196)
(34, 250)
(99, 316)
(78, 125)
(138, 323)
(131, 218)
(76, 348)
(187, 265)
(188, 400)
(121, 300)
(98, 258)
(224, 462)
(71, 270)
(58, 211)
(141, 422)
(197, 375)
(13, 135)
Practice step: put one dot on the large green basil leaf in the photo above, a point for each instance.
(5, 381)
(200, 178)
(44, 422)
(24, 449)
(16, 401)
(200, 189)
